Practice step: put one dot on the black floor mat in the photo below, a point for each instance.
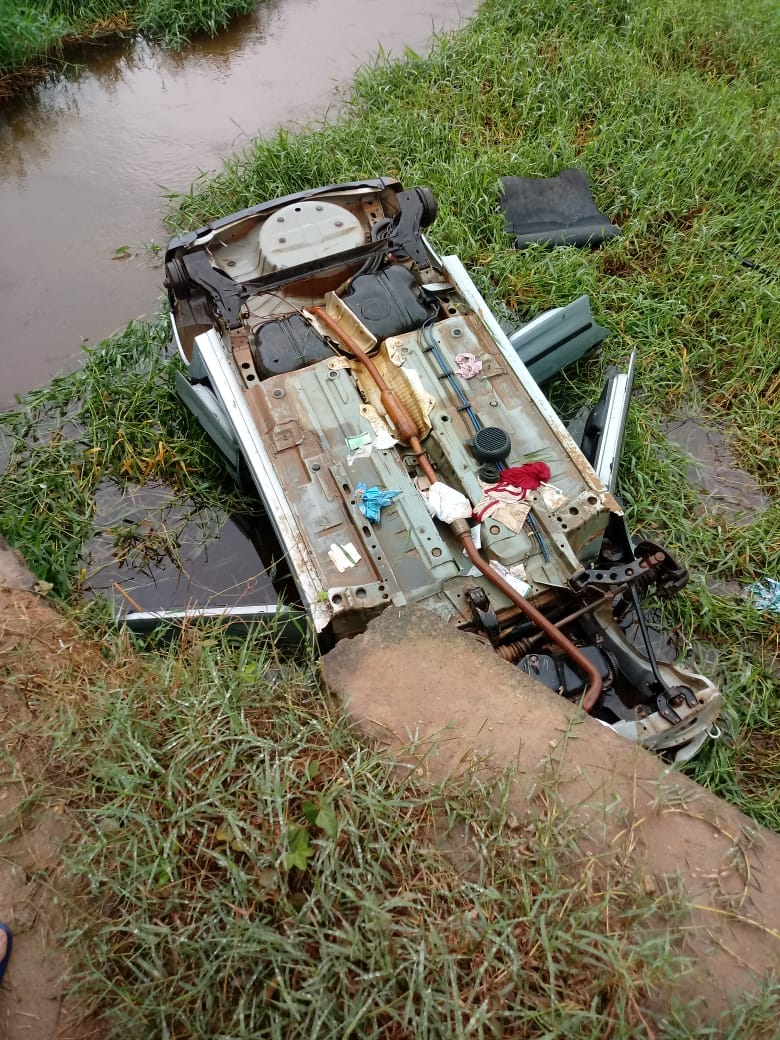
(556, 211)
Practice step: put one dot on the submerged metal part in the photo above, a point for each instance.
(286, 623)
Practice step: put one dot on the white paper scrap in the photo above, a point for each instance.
(383, 441)
(447, 504)
(517, 584)
(343, 556)
(552, 497)
(361, 453)
(518, 570)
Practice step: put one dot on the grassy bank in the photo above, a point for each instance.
(247, 869)
(35, 37)
(224, 808)
(261, 874)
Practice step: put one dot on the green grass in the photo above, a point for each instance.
(35, 34)
(175, 22)
(116, 418)
(250, 870)
(240, 889)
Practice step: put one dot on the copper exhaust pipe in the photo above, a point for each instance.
(593, 691)
(407, 431)
(405, 426)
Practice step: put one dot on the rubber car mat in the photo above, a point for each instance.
(556, 211)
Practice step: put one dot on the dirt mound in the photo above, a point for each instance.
(454, 705)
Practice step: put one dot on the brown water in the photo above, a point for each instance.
(151, 550)
(84, 163)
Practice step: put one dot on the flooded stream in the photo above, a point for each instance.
(85, 163)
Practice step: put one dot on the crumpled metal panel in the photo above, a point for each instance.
(313, 438)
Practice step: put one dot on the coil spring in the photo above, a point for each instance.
(512, 652)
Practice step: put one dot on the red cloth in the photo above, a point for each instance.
(528, 477)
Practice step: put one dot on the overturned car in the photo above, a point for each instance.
(404, 454)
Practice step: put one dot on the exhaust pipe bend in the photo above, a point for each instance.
(407, 431)
(593, 691)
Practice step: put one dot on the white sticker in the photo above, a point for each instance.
(511, 579)
(552, 496)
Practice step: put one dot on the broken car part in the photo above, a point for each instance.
(556, 338)
(553, 211)
(324, 354)
(599, 430)
(286, 623)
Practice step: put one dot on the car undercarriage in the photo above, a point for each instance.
(360, 384)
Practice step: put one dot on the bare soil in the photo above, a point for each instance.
(38, 649)
(454, 705)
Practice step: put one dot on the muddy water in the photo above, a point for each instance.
(84, 163)
(151, 551)
(84, 166)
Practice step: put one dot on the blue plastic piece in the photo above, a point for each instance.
(766, 594)
(371, 501)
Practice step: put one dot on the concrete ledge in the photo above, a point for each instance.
(421, 688)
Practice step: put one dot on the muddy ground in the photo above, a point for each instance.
(658, 824)
(37, 648)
